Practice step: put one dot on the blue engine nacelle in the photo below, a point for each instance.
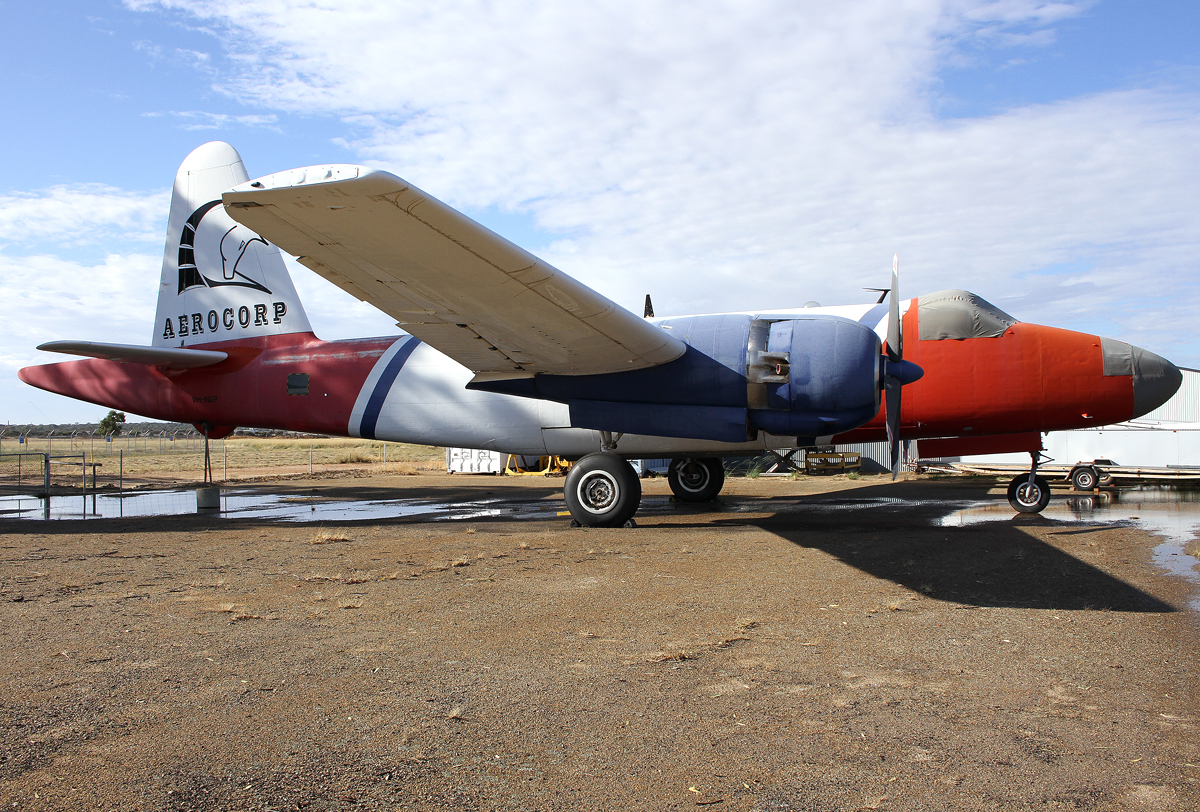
(811, 377)
(808, 377)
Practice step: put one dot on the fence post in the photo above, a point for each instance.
(46, 474)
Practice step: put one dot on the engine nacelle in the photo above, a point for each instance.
(809, 376)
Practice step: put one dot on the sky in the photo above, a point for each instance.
(717, 154)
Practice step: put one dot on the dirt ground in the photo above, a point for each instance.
(785, 648)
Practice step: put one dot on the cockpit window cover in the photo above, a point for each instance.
(959, 314)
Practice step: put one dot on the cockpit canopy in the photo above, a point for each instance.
(958, 314)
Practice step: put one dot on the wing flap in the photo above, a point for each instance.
(487, 303)
(167, 357)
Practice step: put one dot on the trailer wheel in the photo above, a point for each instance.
(1084, 478)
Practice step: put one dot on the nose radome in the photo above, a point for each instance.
(1155, 380)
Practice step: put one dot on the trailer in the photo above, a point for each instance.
(1083, 476)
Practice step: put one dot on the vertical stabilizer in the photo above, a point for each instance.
(220, 280)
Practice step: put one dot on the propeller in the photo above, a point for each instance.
(648, 313)
(896, 371)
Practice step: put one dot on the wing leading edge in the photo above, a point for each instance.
(485, 302)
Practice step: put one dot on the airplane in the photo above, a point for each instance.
(502, 351)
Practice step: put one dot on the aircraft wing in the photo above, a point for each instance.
(169, 357)
(488, 304)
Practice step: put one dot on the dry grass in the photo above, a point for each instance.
(329, 537)
(161, 455)
(355, 455)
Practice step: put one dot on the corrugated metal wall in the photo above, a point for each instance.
(874, 456)
(1184, 407)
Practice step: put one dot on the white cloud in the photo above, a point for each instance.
(48, 298)
(202, 120)
(84, 214)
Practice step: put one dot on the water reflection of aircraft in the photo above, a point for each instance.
(505, 352)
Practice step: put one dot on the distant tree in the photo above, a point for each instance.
(112, 423)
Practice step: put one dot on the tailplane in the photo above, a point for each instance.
(220, 280)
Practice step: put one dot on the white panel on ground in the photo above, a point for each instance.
(474, 461)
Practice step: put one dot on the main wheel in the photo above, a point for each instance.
(602, 491)
(1027, 497)
(696, 480)
(1084, 479)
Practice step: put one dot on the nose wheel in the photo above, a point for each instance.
(1029, 493)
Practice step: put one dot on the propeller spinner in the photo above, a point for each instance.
(896, 371)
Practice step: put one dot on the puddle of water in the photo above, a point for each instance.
(252, 504)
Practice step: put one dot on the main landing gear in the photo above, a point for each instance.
(603, 490)
(696, 480)
(1029, 493)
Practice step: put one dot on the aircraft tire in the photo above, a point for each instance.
(1084, 478)
(1028, 498)
(602, 490)
(696, 480)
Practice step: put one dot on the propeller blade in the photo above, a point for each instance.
(892, 388)
(648, 313)
(895, 349)
(897, 371)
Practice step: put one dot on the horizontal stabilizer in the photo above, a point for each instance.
(169, 357)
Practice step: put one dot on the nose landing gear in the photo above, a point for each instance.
(1029, 493)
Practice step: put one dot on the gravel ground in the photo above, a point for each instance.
(809, 645)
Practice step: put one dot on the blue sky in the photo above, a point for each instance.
(717, 155)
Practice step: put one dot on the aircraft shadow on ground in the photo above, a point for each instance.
(992, 564)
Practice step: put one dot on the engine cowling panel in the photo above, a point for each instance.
(830, 377)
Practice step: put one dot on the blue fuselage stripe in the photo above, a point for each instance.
(383, 386)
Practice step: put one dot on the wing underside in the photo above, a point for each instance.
(459, 287)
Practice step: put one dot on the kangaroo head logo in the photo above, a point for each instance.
(200, 251)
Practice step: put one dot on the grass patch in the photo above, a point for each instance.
(158, 455)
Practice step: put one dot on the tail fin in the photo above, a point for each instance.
(220, 280)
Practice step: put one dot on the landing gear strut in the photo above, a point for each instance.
(696, 480)
(603, 490)
(1029, 493)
